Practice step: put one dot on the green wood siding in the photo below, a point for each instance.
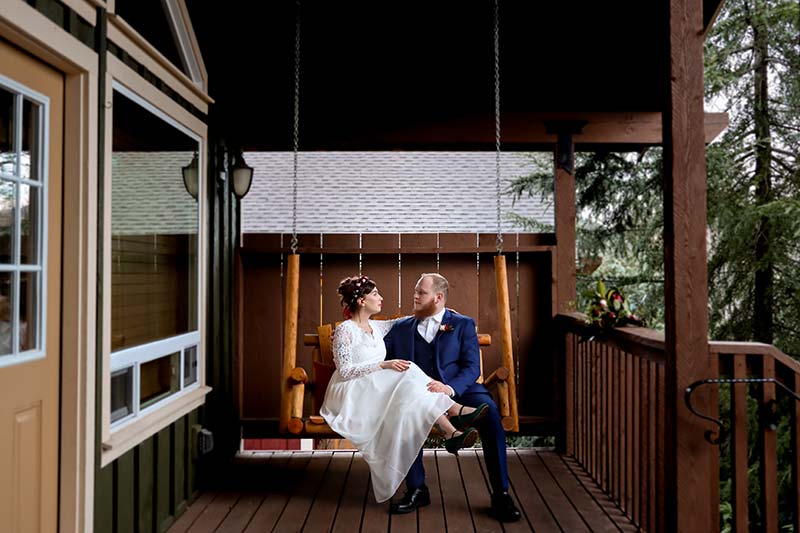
(149, 486)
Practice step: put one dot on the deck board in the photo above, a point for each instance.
(330, 491)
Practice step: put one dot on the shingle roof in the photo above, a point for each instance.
(148, 195)
(385, 192)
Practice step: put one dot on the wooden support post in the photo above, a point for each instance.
(565, 209)
(690, 499)
(292, 300)
(506, 341)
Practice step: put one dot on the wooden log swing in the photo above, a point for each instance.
(295, 381)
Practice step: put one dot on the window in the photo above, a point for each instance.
(155, 289)
(23, 184)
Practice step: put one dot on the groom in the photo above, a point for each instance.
(445, 346)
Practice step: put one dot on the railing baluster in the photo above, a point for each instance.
(604, 412)
(652, 394)
(795, 438)
(739, 446)
(629, 447)
(643, 409)
(768, 472)
(617, 430)
(660, 436)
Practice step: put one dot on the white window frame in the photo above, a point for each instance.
(142, 423)
(23, 92)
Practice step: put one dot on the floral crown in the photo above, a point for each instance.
(359, 286)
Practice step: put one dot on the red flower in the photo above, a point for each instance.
(445, 328)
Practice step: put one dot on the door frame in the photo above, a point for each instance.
(31, 31)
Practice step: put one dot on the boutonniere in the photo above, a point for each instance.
(445, 328)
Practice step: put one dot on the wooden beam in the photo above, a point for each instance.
(688, 458)
(531, 128)
(565, 210)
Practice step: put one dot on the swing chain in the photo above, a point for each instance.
(499, 243)
(296, 127)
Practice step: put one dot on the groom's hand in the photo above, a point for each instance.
(438, 386)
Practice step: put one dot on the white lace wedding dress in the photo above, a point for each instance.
(386, 414)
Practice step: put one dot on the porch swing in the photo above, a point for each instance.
(295, 380)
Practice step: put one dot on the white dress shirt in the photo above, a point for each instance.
(428, 328)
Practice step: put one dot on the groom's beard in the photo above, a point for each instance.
(424, 312)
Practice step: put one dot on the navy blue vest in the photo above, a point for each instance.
(425, 355)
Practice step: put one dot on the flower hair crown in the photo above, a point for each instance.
(358, 287)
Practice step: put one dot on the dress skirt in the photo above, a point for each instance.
(387, 415)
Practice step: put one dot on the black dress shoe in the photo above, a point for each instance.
(413, 498)
(503, 508)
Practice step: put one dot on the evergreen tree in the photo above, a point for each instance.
(752, 66)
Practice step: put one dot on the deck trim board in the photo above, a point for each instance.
(535, 513)
(323, 511)
(354, 497)
(565, 513)
(431, 518)
(268, 514)
(457, 514)
(590, 510)
(297, 509)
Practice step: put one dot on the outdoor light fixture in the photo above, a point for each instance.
(190, 177)
(242, 176)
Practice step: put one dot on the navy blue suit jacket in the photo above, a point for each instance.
(457, 356)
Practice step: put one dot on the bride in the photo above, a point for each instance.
(384, 407)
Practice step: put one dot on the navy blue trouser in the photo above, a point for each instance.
(493, 439)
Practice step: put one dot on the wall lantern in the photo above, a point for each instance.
(190, 177)
(242, 176)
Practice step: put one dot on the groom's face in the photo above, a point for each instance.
(425, 299)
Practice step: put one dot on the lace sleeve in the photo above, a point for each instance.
(383, 326)
(343, 355)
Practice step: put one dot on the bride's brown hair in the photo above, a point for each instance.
(351, 289)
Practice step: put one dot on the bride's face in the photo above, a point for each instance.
(373, 302)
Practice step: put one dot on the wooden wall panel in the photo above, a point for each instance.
(261, 346)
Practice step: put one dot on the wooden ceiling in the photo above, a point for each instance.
(418, 75)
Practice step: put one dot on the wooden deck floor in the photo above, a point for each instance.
(330, 491)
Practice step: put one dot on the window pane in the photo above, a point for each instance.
(31, 132)
(189, 366)
(159, 378)
(30, 213)
(8, 156)
(154, 227)
(28, 318)
(6, 325)
(121, 393)
(8, 192)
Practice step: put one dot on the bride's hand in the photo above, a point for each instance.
(400, 365)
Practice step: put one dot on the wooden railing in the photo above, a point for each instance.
(756, 503)
(614, 424)
(614, 406)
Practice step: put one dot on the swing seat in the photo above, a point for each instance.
(322, 357)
